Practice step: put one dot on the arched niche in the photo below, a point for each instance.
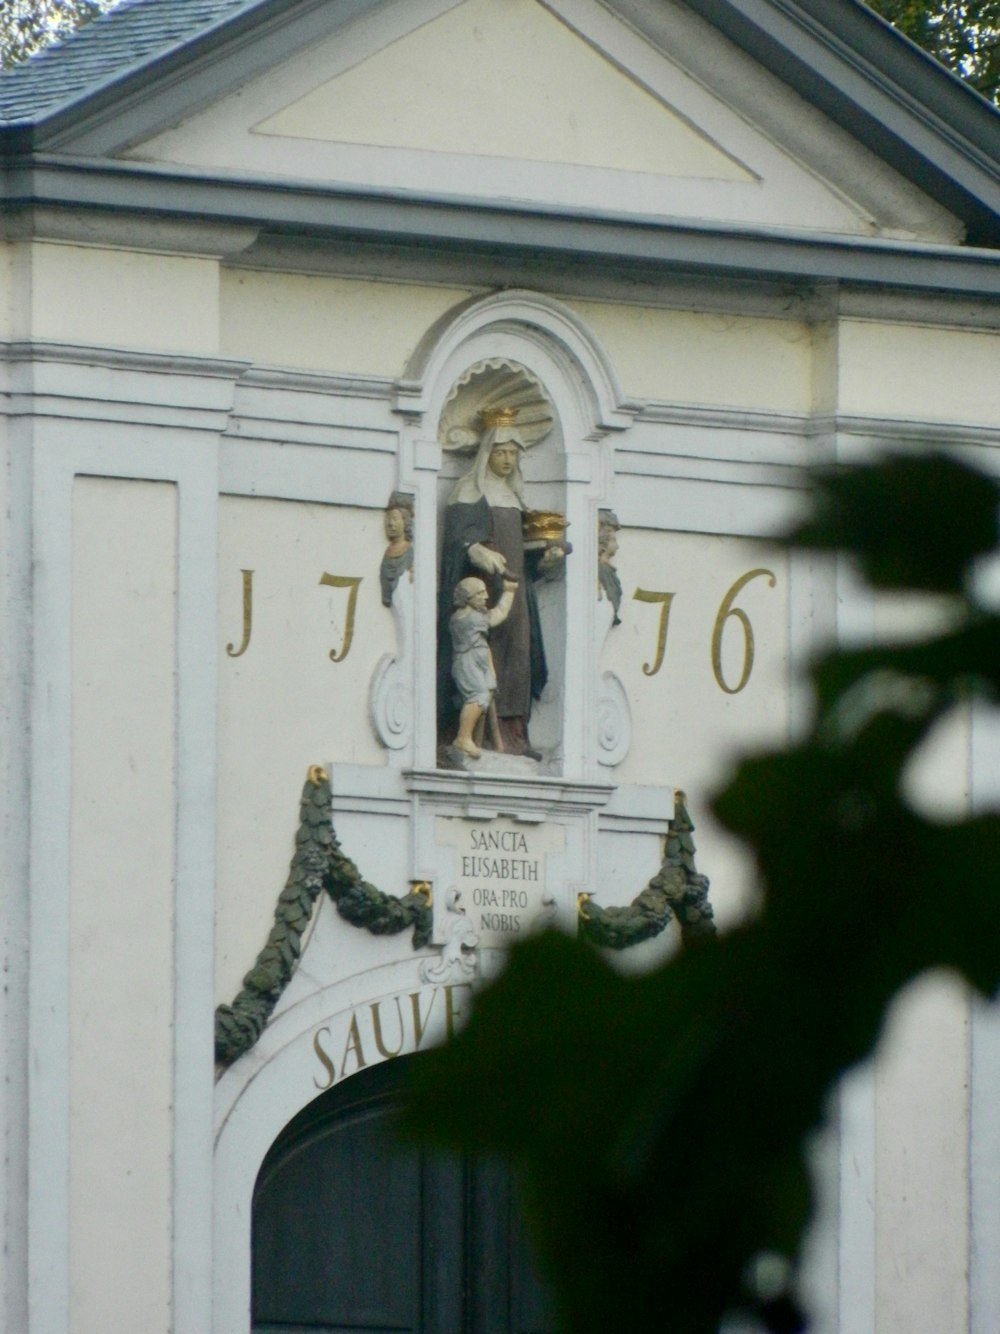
(514, 322)
(571, 471)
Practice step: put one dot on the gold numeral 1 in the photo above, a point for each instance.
(247, 616)
(344, 581)
(665, 600)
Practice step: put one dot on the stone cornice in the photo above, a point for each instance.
(458, 225)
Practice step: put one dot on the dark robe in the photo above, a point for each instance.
(516, 644)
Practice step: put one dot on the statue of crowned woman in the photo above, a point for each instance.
(485, 536)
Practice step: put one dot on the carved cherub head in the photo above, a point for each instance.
(398, 520)
(607, 535)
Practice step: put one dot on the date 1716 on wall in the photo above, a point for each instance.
(728, 611)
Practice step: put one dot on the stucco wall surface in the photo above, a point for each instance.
(283, 704)
(327, 324)
(713, 360)
(122, 869)
(120, 298)
(919, 372)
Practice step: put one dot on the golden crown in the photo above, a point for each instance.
(498, 417)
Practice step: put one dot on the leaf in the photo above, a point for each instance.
(662, 1119)
(915, 522)
(962, 922)
(619, 1095)
(964, 36)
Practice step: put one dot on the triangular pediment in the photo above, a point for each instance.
(506, 80)
(554, 104)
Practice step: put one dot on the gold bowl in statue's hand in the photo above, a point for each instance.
(543, 525)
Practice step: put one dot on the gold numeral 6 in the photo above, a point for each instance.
(726, 610)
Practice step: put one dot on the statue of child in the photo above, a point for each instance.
(472, 663)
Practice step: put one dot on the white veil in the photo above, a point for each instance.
(502, 492)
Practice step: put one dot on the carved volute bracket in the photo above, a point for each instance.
(390, 696)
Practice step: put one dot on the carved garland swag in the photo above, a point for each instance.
(319, 863)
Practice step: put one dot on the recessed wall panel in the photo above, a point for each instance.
(123, 819)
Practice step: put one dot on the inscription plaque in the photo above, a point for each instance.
(501, 879)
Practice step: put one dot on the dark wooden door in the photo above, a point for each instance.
(357, 1233)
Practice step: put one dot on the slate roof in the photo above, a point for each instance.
(104, 50)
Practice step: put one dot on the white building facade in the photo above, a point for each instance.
(255, 258)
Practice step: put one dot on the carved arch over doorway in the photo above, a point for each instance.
(284, 1072)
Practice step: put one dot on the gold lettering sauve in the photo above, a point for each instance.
(353, 1044)
(420, 1023)
(377, 1026)
(324, 1059)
